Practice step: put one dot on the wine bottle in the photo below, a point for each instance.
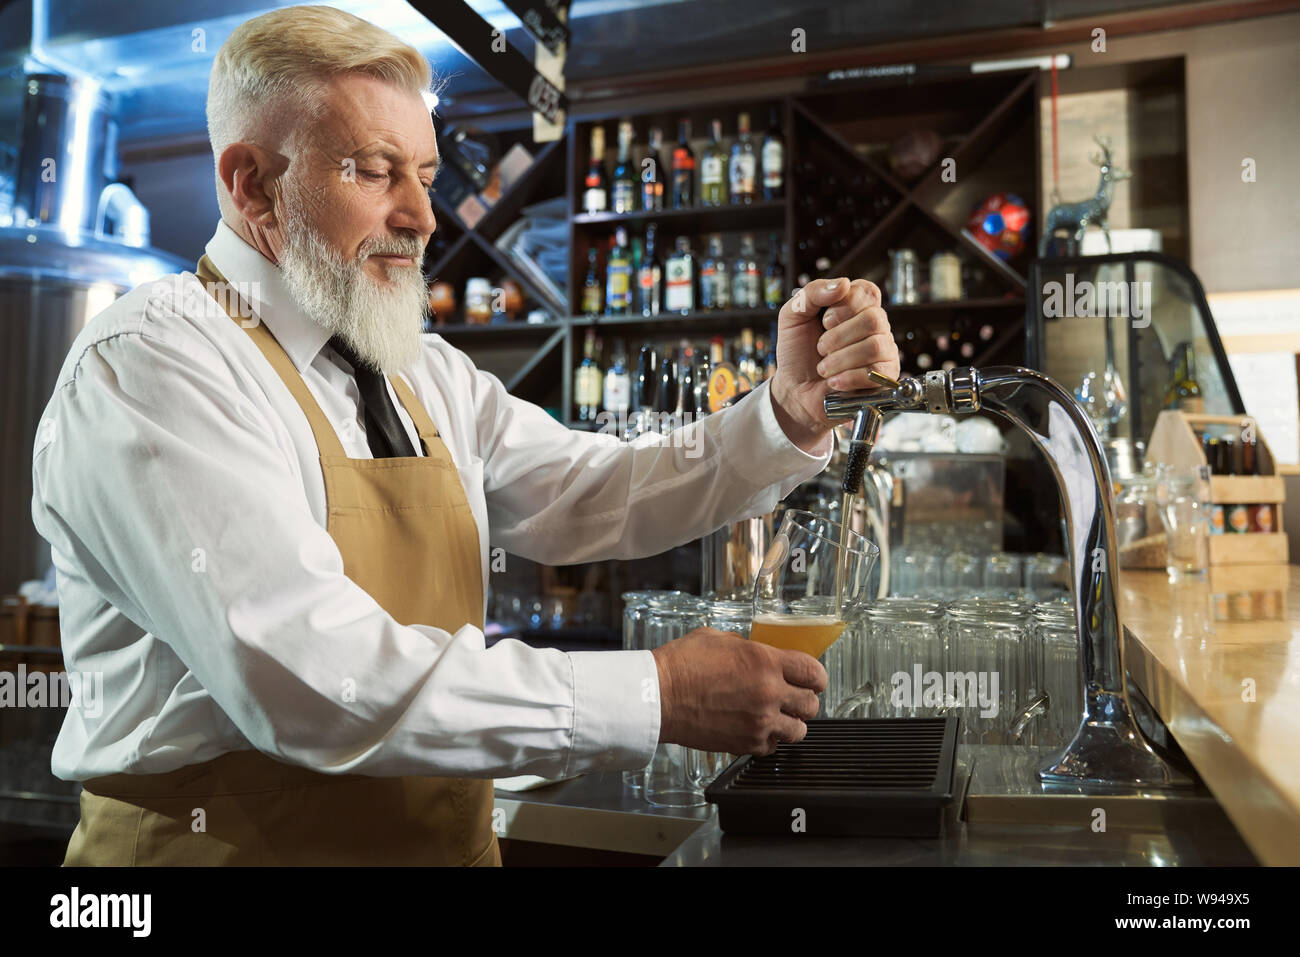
(618, 383)
(679, 279)
(652, 173)
(774, 159)
(747, 370)
(595, 196)
(747, 281)
(743, 172)
(625, 184)
(618, 276)
(715, 283)
(587, 381)
(1184, 391)
(649, 278)
(774, 280)
(592, 293)
(683, 168)
(713, 183)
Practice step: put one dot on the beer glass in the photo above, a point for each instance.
(675, 776)
(814, 580)
(636, 608)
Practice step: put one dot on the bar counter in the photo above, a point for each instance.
(1219, 661)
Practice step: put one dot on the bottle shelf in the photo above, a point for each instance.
(740, 217)
(988, 125)
(500, 329)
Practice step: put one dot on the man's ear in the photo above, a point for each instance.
(249, 173)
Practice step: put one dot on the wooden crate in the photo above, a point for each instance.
(1174, 442)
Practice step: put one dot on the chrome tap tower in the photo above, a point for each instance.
(1109, 750)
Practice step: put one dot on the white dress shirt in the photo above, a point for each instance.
(179, 486)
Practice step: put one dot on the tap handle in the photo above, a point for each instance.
(881, 379)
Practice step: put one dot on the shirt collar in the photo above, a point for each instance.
(299, 335)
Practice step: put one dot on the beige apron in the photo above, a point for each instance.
(408, 537)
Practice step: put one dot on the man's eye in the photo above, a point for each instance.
(373, 174)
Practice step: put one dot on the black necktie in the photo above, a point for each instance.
(384, 431)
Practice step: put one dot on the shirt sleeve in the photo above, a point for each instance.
(559, 496)
(166, 488)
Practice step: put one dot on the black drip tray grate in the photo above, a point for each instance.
(874, 777)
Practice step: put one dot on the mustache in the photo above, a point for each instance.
(392, 246)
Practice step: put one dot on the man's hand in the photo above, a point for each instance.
(837, 354)
(719, 692)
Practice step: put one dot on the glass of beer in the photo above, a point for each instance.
(812, 583)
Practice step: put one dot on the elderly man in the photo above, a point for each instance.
(270, 512)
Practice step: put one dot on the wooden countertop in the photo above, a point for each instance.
(1219, 660)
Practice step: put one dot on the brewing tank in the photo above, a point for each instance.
(73, 242)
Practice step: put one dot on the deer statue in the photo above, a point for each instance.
(1076, 217)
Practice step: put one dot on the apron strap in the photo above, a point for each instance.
(415, 409)
(327, 440)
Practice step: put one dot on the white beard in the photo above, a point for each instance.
(381, 322)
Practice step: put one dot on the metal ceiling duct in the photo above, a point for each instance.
(77, 241)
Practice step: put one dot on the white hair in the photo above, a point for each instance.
(268, 79)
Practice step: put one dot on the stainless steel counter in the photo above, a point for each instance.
(594, 812)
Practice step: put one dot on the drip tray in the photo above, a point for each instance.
(871, 777)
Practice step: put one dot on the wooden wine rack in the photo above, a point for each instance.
(1174, 442)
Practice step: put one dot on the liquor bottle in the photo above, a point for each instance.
(769, 365)
(746, 280)
(618, 383)
(668, 383)
(587, 381)
(774, 279)
(652, 173)
(720, 377)
(625, 183)
(650, 277)
(701, 383)
(679, 279)
(715, 281)
(747, 369)
(774, 159)
(592, 292)
(744, 164)
(645, 392)
(713, 164)
(595, 197)
(618, 275)
(683, 168)
(684, 410)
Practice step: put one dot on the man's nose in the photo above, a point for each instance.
(414, 211)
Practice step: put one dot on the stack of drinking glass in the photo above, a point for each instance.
(988, 658)
(927, 571)
(677, 776)
(992, 636)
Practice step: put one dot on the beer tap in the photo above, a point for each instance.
(1108, 750)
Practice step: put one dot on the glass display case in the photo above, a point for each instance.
(1130, 334)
